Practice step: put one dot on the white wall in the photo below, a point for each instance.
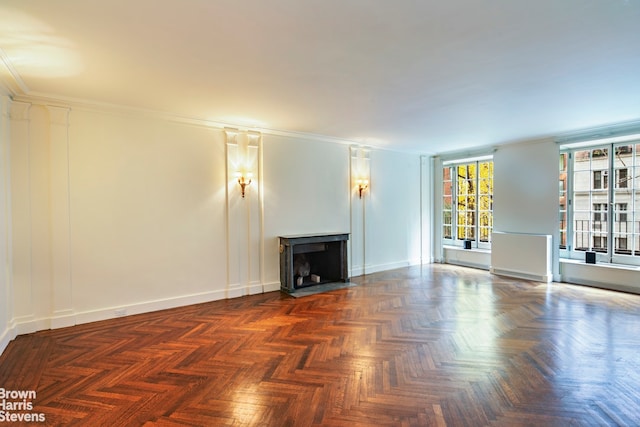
(306, 190)
(525, 199)
(393, 212)
(526, 179)
(118, 213)
(147, 211)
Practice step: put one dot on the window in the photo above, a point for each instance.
(563, 200)
(621, 212)
(447, 203)
(600, 180)
(599, 213)
(621, 178)
(467, 206)
(600, 243)
(596, 216)
(621, 245)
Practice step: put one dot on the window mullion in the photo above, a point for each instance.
(569, 207)
(454, 205)
(477, 206)
(610, 209)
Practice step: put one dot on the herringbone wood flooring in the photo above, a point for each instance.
(434, 345)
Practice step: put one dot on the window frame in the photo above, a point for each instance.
(621, 206)
(479, 201)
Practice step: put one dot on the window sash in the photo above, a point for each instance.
(467, 202)
(602, 216)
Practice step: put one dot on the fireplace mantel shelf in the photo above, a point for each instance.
(312, 238)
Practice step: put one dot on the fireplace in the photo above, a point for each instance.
(312, 260)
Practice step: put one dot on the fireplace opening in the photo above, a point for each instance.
(310, 260)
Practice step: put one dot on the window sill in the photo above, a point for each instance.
(460, 248)
(600, 264)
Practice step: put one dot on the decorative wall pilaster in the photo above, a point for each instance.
(6, 288)
(62, 303)
(359, 170)
(244, 214)
(21, 215)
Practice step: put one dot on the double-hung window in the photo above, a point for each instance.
(600, 201)
(467, 205)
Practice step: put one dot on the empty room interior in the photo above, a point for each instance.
(334, 213)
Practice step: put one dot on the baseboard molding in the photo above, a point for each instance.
(547, 278)
(150, 306)
(21, 326)
(271, 287)
(29, 324)
(376, 268)
(239, 290)
(356, 271)
(462, 263)
(7, 336)
(65, 318)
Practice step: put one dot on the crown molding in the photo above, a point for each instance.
(601, 132)
(10, 80)
(50, 100)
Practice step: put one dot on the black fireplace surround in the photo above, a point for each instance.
(312, 259)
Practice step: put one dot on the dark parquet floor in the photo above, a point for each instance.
(423, 346)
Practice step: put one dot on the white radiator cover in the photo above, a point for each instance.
(525, 256)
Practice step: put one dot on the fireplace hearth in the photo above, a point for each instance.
(312, 259)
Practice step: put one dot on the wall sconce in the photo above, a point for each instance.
(244, 179)
(363, 184)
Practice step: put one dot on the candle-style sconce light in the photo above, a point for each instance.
(363, 184)
(360, 169)
(243, 154)
(244, 179)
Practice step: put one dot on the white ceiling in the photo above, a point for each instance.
(420, 75)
